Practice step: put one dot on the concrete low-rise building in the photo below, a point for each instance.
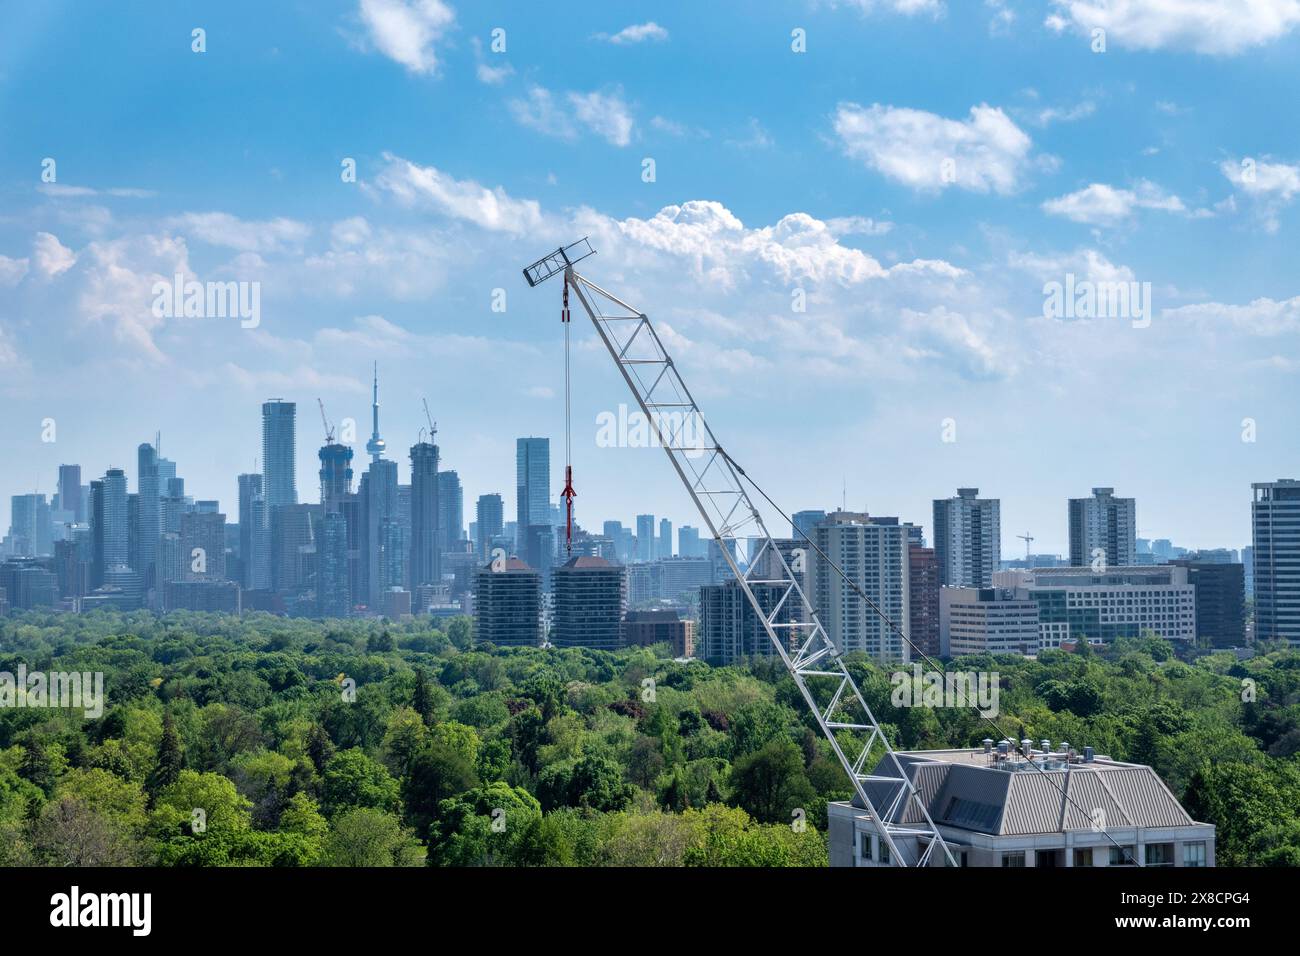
(986, 621)
(995, 808)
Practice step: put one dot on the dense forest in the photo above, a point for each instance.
(265, 741)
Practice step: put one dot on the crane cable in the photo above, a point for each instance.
(568, 494)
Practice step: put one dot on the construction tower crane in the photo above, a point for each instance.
(1028, 539)
(433, 426)
(329, 429)
(713, 480)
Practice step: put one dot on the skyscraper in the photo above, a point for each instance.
(426, 548)
(488, 516)
(688, 543)
(532, 485)
(70, 492)
(1103, 527)
(335, 475)
(116, 532)
(203, 546)
(254, 534)
(148, 512)
(645, 537)
(664, 549)
(333, 596)
(967, 539)
(1275, 551)
(278, 449)
(451, 510)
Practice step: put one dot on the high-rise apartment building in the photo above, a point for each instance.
(1275, 554)
(967, 538)
(664, 547)
(451, 511)
(278, 449)
(1103, 528)
(508, 604)
(872, 553)
(923, 599)
(589, 598)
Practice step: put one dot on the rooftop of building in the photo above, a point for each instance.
(1006, 795)
(512, 564)
(587, 562)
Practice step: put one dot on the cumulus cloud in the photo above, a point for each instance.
(1103, 205)
(1217, 27)
(988, 152)
(50, 256)
(464, 199)
(1263, 316)
(407, 31)
(636, 33)
(605, 114)
(246, 235)
(12, 270)
(1269, 186)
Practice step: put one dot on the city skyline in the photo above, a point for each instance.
(923, 298)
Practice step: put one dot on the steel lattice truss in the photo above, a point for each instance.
(716, 487)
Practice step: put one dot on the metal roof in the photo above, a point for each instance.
(962, 792)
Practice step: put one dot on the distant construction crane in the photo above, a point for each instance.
(433, 426)
(1028, 539)
(329, 429)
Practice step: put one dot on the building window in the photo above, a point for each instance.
(1122, 856)
(1160, 854)
(865, 839)
(1083, 856)
(884, 853)
(1194, 854)
(1016, 859)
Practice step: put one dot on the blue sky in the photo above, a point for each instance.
(1169, 158)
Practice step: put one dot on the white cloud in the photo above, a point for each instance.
(636, 33)
(1215, 27)
(1262, 178)
(63, 190)
(12, 270)
(51, 257)
(494, 75)
(1066, 114)
(905, 7)
(464, 199)
(988, 150)
(605, 114)
(1270, 186)
(407, 30)
(1263, 316)
(246, 235)
(1103, 205)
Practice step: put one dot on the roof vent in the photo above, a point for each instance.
(988, 745)
(1046, 745)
